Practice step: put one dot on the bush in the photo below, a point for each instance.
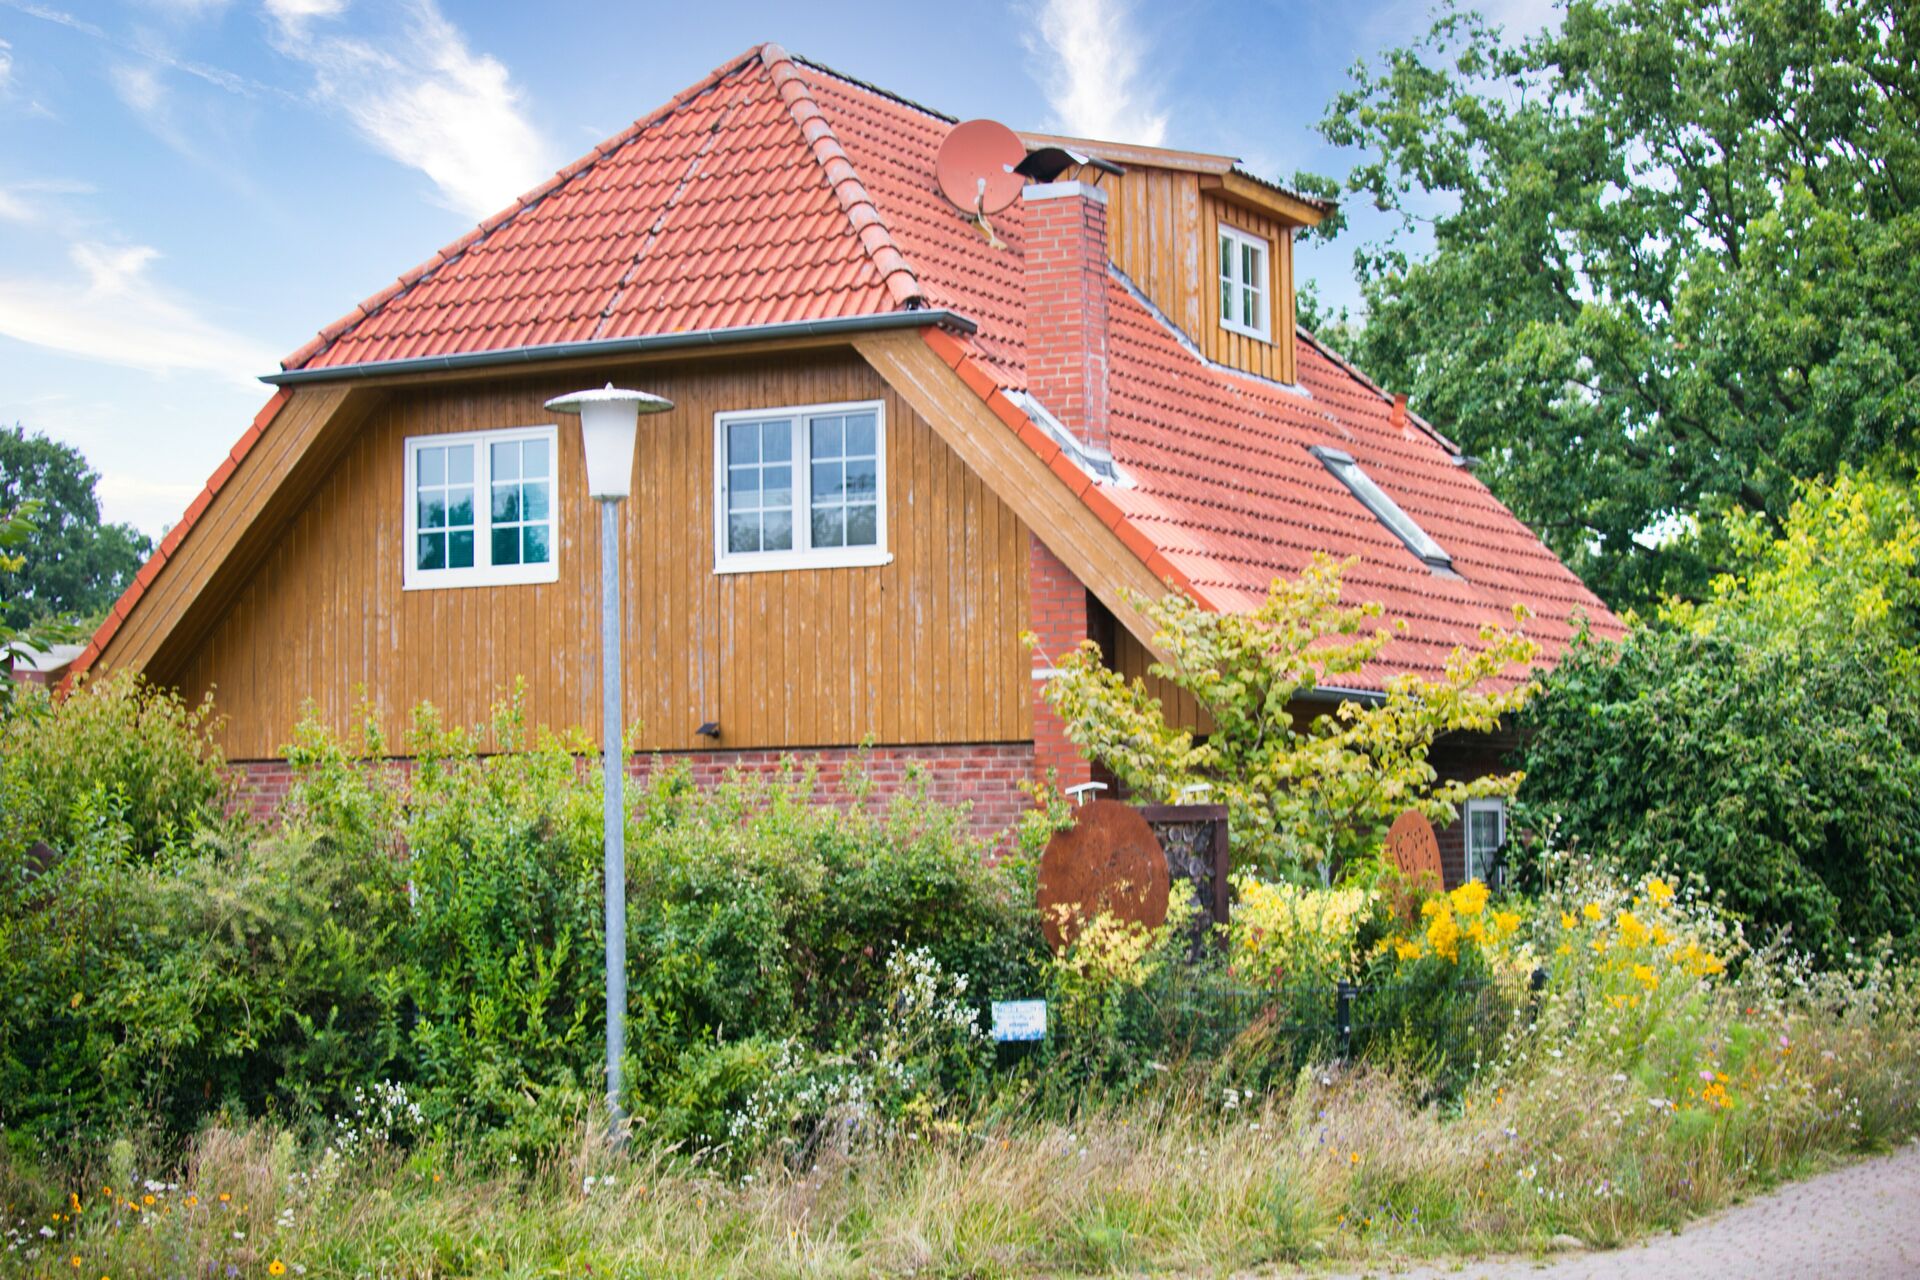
(121, 738)
(1788, 778)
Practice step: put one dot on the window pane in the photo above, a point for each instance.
(534, 543)
(533, 501)
(433, 511)
(779, 531)
(860, 435)
(778, 482)
(776, 442)
(432, 553)
(862, 527)
(460, 550)
(743, 532)
(460, 508)
(829, 527)
(1249, 266)
(433, 466)
(862, 479)
(533, 458)
(826, 437)
(506, 461)
(506, 546)
(506, 503)
(1226, 258)
(460, 464)
(743, 488)
(829, 482)
(743, 443)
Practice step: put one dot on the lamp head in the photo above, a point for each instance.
(609, 423)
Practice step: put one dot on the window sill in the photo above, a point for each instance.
(444, 580)
(1245, 332)
(787, 561)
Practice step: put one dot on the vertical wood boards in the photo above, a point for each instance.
(1163, 230)
(923, 650)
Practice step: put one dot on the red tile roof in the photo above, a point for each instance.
(776, 190)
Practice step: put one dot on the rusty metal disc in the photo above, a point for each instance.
(1108, 861)
(1415, 850)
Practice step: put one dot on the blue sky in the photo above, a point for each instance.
(190, 188)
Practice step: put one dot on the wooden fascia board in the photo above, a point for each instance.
(1019, 476)
(1234, 189)
(231, 537)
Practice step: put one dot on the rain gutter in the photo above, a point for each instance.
(693, 339)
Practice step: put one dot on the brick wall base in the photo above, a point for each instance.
(983, 775)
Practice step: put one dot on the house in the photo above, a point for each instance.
(903, 435)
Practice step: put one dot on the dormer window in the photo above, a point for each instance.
(1243, 284)
(1384, 508)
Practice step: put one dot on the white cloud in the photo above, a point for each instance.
(1092, 77)
(139, 87)
(422, 97)
(115, 312)
(6, 66)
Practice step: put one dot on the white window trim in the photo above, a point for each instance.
(1494, 806)
(1263, 288)
(414, 578)
(800, 557)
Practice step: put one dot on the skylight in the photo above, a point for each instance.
(1384, 508)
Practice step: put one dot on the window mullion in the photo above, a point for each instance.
(802, 483)
(482, 504)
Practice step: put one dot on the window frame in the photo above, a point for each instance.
(801, 556)
(480, 574)
(1382, 507)
(1263, 289)
(1498, 807)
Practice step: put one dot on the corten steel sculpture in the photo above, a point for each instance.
(1415, 850)
(1108, 861)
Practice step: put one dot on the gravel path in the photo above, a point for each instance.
(1861, 1222)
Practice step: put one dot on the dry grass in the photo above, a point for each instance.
(1343, 1167)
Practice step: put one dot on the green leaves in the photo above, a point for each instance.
(1672, 261)
(1308, 781)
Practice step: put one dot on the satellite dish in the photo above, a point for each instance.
(975, 168)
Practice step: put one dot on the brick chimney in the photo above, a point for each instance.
(1067, 366)
(1066, 265)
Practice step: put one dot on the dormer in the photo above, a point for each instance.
(1209, 244)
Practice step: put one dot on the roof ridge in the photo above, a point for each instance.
(458, 249)
(873, 88)
(1353, 371)
(842, 178)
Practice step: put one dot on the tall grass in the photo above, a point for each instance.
(1341, 1165)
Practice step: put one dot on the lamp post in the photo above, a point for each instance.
(609, 423)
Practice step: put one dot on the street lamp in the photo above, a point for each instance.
(609, 422)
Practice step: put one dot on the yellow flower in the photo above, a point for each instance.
(1352, 1159)
(1566, 920)
(147, 1199)
(224, 1197)
(1661, 935)
(1591, 911)
(1469, 898)
(1564, 949)
(276, 1268)
(1443, 935)
(192, 1201)
(1645, 976)
(1506, 921)
(75, 1260)
(1659, 890)
(1406, 948)
(1632, 932)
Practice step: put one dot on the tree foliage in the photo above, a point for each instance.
(1675, 260)
(1306, 785)
(78, 565)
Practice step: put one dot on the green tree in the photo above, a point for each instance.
(78, 566)
(1305, 786)
(17, 640)
(1674, 265)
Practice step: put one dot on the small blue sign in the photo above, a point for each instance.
(1019, 1021)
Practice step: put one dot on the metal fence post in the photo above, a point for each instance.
(1343, 993)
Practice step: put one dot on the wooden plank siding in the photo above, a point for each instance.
(923, 650)
(1163, 230)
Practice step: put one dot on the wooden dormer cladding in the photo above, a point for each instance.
(1163, 229)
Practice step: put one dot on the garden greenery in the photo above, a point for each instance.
(1306, 786)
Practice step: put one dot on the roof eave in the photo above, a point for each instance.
(643, 344)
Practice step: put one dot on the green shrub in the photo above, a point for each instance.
(1786, 777)
(119, 735)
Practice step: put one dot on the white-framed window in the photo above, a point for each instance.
(1243, 283)
(1486, 831)
(1384, 509)
(800, 488)
(481, 508)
